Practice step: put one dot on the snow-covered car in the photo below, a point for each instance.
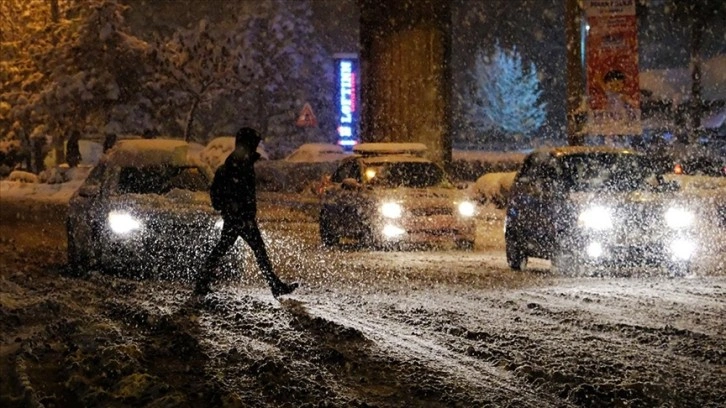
(584, 207)
(144, 208)
(217, 150)
(384, 148)
(316, 153)
(386, 200)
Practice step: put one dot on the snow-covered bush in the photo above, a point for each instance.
(23, 177)
(494, 188)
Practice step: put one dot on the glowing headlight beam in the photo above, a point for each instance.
(391, 210)
(683, 249)
(370, 174)
(597, 218)
(122, 222)
(679, 217)
(467, 209)
(392, 231)
(594, 250)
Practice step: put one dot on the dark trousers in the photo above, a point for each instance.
(250, 232)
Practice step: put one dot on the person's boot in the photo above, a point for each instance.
(202, 286)
(281, 288)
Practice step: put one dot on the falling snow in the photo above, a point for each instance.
(425, 327)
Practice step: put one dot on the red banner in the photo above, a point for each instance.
(613, 89)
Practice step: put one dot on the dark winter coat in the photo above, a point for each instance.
(233, 190)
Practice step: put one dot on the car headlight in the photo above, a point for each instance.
(122, 222)
(597, 218)
(219, 224)
(679, 217)
(391, 210)
(467, 209)
(683, 249)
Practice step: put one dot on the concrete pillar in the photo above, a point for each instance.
(576, 115)
(406, 73)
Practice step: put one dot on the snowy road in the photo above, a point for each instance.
(434, 328)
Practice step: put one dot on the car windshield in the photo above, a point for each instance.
(161, 179)
(405, 174)
(607, 171)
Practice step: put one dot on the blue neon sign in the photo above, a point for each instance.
(347, 82)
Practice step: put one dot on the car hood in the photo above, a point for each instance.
(422, 197)
(176, 203)
(624, 198)
(643, 202)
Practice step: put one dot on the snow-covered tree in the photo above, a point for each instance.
(280, 64)
(506, 94)
(71, 64)
(26, 38)
(100, 70)
(193, 72)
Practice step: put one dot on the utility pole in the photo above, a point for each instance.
(576, 114)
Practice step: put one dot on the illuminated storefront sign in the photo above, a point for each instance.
(347, 82)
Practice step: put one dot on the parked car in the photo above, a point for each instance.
(584, 207)
(696, 159)
(391, 199)
(144, 208)
(316, 153)
(217, 150)
(699, 165)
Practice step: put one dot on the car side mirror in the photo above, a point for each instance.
(89, 191)
(351, 184)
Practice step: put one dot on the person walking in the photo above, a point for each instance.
(233, 193)
(73, 151)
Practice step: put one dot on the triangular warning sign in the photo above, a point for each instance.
(306, 118)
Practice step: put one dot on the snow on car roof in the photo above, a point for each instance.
(327, 147)
(566, 150)
(316, 152)
(394, 158)
(381, 148)
(149, 152)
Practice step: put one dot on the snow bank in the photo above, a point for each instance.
(19, 188)
(23, 177)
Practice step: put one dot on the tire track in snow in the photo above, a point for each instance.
(391, 338)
